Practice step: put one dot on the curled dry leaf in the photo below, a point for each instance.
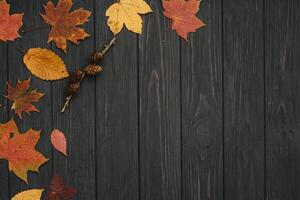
(9, 24)
(127, 12)
(34, 194)
(45, 64)
(22, 98)
(19, 149)
(59, 190)
(58, 141)
(64, 23)
(183, 14)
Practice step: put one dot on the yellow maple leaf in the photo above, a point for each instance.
(34, 194)
(45, 64)
(127, 12)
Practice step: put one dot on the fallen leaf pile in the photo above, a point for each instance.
(22, 98)
(9, 24)
(183, 16)
(19, 149)
(64, 23)
(45, 64)
(127, 12)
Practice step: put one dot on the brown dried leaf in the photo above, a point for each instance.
(64, 23)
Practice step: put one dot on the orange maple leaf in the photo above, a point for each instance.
(22, 98)
(19, 149)
(64, 23)
(182, 13)
(9, 24)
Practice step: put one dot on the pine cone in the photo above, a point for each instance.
(96, 57)
(73, 88)
(76, 76)
(92, 69)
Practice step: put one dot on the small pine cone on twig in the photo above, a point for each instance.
(96, 57)
(76, 76)
(73, 88)
(92, 69)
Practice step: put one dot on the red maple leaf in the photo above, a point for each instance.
(9, 24)
(183, 14)
(22, 98)
(59, 191)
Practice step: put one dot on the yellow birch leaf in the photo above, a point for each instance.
(34, 194)
(127, 12)
(45, 64)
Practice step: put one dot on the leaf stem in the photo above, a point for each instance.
(34, 29)
(21, 50)
(103, 52)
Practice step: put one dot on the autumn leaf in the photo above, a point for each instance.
(59, 142)
(19, 149)
(127, 12)
(59, 191)
(183, 14)
(9, 24)
(45, 64)
(22, 98)
(64, 23)
(34, 194)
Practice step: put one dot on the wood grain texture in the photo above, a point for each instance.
(78, 122)
(117, 114)
(243, 100)
(282, 99)
(4, 174)
(214, 118)
(17, 71)
(202, 114)
(159, 108)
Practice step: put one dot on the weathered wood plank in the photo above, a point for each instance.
(159, 108)
(3, 116)
(17, 71)
(243, 100)
(202, 114)
(78, 122)
(282, 99)
(117, 114)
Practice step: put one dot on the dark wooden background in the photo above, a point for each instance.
(215, 118)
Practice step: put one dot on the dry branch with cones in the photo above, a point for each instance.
(91, 69)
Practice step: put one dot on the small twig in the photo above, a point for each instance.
(108, 46)
(103, 52)
(68, 99)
